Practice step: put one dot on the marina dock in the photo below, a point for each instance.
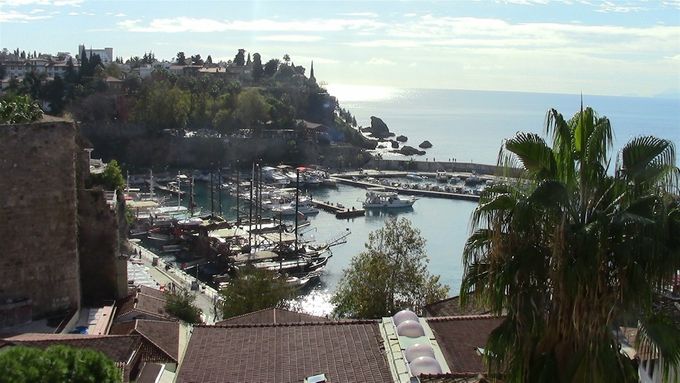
(339, 211)
(405, 191)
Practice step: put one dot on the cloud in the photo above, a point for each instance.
(360, 14)
(37, 10)
(380, 61)
(57, 3)
(120, 15)
(188, 24)
(523, 2)
(290, 38)
(611, 7)
(316, 59)
(73, 13)
(19, 17)
(456, 32)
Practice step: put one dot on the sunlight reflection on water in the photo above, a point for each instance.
(353, 93)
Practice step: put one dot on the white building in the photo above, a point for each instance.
(106, 54)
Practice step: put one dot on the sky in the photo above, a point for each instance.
(611, 47)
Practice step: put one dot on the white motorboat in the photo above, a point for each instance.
(378, 198)
(305, 207)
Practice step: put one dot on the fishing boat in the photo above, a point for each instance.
(378, 198)
(442, 176)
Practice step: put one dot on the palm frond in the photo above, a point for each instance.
(536, 156)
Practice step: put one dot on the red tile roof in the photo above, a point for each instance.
(272, 316)
(459, 338)
(164, 335)
(118, 348)
(349, 351)
(146, 301)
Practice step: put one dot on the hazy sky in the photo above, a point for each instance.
(611, 47)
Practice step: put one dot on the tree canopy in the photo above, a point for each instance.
(111, 178)
(57, 364)
(391, 275)
(180, 304)
(19, 109)
(570, 249)
(254, 289)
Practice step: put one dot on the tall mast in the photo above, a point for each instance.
(179, 191)
(297, 202)
(250, 209)
(151, 185)
(191, 196)
(219, 188)
(238, 193)
(212, 197)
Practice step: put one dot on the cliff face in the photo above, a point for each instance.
(137, 150)
(38, 229)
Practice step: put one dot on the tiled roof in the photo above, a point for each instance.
(146, 300)
(459, 338)
(146, 290)
(349, 351)
(118, 348)
(162, 334)
(451, 307)
(122, 328)
(272, 316)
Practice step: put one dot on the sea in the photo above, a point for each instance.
(462, 125)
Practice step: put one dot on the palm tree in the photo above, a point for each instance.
(569, 248)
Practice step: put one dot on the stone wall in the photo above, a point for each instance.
(99, 249)
(38, 229)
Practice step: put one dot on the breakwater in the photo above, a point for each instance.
(405, 191)
(433, 166)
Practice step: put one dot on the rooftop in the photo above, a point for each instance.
(349, 351)
(460, 337)
(272, 316)
(144, 300)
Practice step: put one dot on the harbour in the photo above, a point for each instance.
(341, 216)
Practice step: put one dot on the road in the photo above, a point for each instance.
(206, 296)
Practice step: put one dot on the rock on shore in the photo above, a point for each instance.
(409, 151)
(425, 144)
(402, 138)
(378, 128)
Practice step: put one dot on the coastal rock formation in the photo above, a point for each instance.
(395, 144)
(378, 128)
(409, 151)
(425, 145)
(402, 138)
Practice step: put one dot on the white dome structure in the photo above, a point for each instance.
(410, 328)
(404, 315)
(425, 365)
(417, 350)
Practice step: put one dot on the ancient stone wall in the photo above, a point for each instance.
(38, 228)
(103, 278)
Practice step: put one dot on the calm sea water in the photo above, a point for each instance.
(467, 125)
(470, 125)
